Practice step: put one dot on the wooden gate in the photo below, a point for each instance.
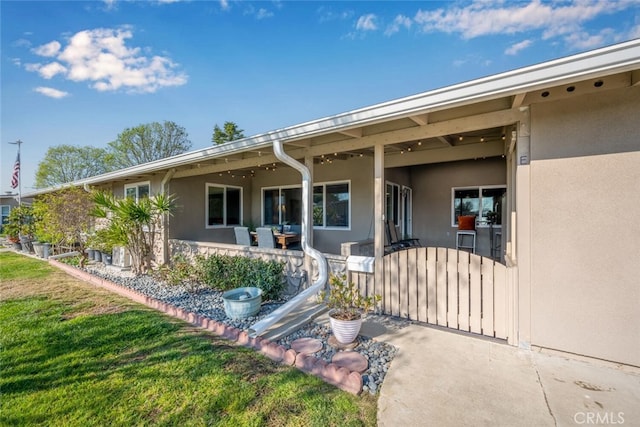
(445, 287)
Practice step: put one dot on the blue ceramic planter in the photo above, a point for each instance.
(241, 303)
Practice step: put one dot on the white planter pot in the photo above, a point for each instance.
(345, 331)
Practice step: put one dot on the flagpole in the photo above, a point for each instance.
(19, 143)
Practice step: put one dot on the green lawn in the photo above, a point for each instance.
(76, 355)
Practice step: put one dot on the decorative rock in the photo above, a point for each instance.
(307, 345)
(353, 383)
(289, 357)
(351, 360)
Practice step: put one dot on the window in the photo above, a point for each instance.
(4, 215)
(483, 202)
(282, 206)
(224, 206)
(331, 205)
(137, 190)
(392, 199)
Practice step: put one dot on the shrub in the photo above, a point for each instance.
(179, 272)
(224, 272)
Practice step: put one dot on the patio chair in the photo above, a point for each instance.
(395, 243)
(266, 239)
(242, 236)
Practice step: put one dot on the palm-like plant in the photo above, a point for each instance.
(134, 224)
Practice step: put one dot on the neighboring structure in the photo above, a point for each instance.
(550, 152)
(8, 201)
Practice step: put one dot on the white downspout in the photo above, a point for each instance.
(323, 275)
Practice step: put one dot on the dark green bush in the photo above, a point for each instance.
(224, 272)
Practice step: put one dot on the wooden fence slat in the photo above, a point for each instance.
(500, 300)
(412, 283)
(452, 288)
(441, 279)
(403, 283)
(386, 295)
(395, 283)
(487, 297)
(475, 290)
(422, 284)
(463, 290)
(432, 302)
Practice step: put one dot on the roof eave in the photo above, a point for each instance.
(597, 63)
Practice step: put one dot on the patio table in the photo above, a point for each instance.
(283, 239)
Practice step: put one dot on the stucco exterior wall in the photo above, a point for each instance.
(188, 221)
(432, 186)
(585, 199)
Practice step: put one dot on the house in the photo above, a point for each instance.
(546, 157)
(8, 201)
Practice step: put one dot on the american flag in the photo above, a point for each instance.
(16, 172)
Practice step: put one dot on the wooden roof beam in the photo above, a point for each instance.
(353, 133)
(421, 119)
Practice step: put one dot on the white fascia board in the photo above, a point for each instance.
(597, 63)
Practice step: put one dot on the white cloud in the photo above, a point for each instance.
(584, 40)
(51, 92)
(224, 4)
(49, 49)
(102, 58)
(482, 18)
(21, 43)
(398, 22)
(51, 69)
(263, 13)
(325, 14)
(367, 23)
(517, 47)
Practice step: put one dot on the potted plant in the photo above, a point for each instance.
(20, 225)
(347, 308)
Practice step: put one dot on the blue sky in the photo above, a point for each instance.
(79, 73)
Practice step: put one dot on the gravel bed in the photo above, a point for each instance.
(206, 302)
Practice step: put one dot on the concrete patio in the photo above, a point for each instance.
(441, 378)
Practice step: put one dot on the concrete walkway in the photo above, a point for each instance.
(441, 378)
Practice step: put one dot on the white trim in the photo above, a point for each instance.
(225, 223)
(137, 186)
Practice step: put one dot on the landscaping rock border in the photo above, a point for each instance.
(349, 381)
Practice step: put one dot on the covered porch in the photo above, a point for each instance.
(420, 172)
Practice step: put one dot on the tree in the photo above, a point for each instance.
(148, 142)
(68, 163)
(231, 132)
(133, 224)
(62, 218)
